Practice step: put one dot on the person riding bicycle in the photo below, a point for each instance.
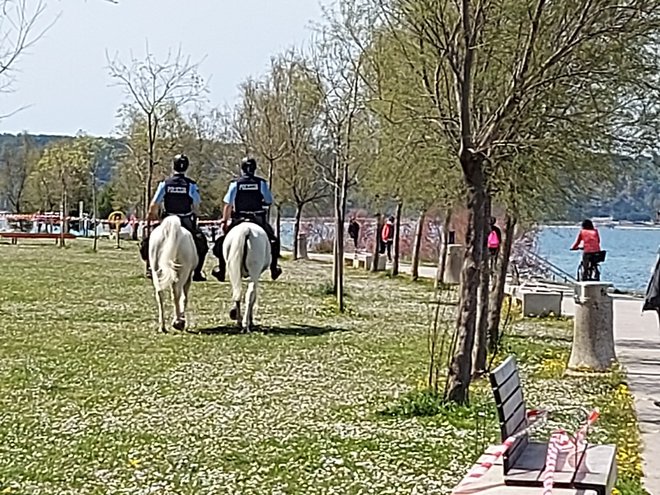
(589, 239)
(178, 195)
(246, 199)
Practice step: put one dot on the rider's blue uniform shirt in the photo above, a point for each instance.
(265, 191)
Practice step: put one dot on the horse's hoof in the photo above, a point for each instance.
(163, 330)
(179, 324)
(233, 314)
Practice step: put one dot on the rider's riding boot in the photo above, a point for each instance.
(198, 276)
(144, 254)
(219, 271)
(275, 271)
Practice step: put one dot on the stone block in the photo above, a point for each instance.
(455, 258)
(540, 303)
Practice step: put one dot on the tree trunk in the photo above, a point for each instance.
(94, 214)
(296, 230)
(152, 123)
(271, 167)
(499, 276)
(480, 350)
(397, 240)
(65, 223)
(460, 369)
(340, 211)
(278, 221)
(442, 261)
(376, 251)
(417, 247)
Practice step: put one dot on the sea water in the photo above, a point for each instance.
(631, 252)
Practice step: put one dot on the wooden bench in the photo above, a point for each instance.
(592, 469)
(492, 483)
(15, 236)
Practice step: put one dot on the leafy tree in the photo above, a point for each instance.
(345, 135)
(298, 113)
(64, 168)
(156, 89)
(501, 77)
(16, 164)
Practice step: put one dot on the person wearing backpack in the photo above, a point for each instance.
(494, 239)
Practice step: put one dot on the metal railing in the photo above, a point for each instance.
(555, 273)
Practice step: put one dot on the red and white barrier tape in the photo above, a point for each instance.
(562, 441)
(55, 218)
(559, 441)
(535, 418)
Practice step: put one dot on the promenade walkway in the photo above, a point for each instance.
(637, 339)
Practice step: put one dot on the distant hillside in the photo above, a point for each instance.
(633, 195)
(43, 140)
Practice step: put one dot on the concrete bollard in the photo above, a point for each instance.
(455, 258)
(302, 247)
(593, 333)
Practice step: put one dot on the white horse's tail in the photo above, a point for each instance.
(166, 274)
(235, 264)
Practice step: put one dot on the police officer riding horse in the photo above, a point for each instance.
(178, 195)
(246, 200)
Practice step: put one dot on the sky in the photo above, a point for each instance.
(63, 79)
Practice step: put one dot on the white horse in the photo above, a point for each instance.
(246, 250)
(173, 258)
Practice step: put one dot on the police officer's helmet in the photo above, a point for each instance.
(249, 166)
(180, 163)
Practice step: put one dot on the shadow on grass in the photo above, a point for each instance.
(290, 330)
(550, 339)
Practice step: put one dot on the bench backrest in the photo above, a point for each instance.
(511, 410)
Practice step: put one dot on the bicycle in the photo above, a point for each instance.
(591, 272)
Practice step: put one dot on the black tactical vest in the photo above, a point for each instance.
(177, 195)
(248, 195)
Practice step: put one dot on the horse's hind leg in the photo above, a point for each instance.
(250, 299)
(178, 298)
(184, 299)
(161, 311)
(235, 312)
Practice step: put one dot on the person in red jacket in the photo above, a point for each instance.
(387, 238)
(589, 240)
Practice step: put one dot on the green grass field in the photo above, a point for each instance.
(93, 400)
